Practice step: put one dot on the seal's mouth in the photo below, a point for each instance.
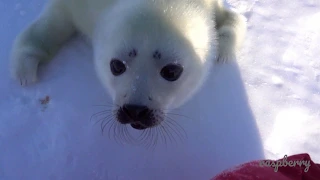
(138, 126)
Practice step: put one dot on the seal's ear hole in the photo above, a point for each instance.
(117, 67)
(171, 72)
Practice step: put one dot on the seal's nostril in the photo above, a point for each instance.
(135, 112)
(126, 110)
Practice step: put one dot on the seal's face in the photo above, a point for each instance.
(143, 100)
(149, 66)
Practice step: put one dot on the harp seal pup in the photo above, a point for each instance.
(150, 55)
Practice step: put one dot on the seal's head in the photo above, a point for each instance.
(152, 60)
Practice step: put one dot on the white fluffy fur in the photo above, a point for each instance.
(194, 33)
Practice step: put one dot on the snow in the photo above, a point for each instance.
(264, 106)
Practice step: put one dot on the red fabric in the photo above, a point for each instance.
(303, 169)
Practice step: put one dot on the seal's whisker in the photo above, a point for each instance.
(152, 138)
(167, 132)
(110, 128)
(103, 125)
(144, 137)
(156, 138)
(116, 132)
(170, 131)
(163, 137)
(101, 105)
(102, 119)
(178, 127)
(125, 136)
(109, 118)
(114, 127)
(108, 104)
(128, 135)
(180, 115)
(141, 137)
(99, 114)
(121, 134)
(175, 130)
(172, 109)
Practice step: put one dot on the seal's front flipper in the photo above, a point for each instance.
(39, 42)
(231, 29)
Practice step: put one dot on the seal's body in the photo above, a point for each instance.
(151, 55)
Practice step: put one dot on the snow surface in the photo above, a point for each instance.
(264, 106)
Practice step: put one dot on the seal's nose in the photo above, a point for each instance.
(136, 112)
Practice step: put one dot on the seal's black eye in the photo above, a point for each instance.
(117, 67)
(171, 72)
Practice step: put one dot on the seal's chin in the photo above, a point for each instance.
(138, 126)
